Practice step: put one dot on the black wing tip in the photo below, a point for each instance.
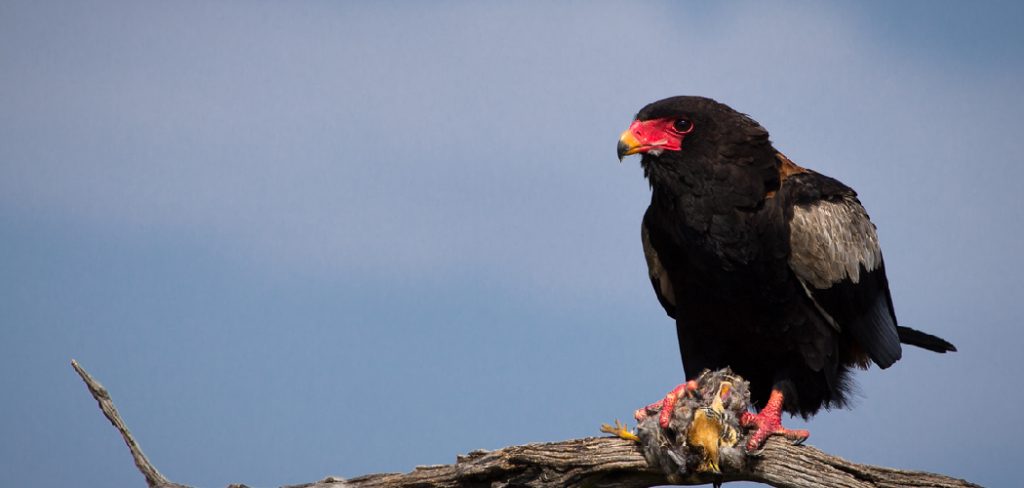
(884, 361)
(924, 340)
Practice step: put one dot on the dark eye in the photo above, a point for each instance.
(682, 126)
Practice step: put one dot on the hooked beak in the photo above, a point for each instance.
(628, 144)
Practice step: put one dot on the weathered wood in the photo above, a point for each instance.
(153, 477)
(592, 462)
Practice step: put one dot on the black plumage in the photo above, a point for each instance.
(768, 268)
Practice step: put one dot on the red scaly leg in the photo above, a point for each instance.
(769, 422)
(666, 405)
(641, 413)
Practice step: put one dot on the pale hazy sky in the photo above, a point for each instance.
(307, 239)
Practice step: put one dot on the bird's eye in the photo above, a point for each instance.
(683, 126)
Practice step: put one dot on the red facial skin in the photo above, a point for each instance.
(658, 134)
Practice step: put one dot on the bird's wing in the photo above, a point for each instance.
(659, 276)
(834, 252)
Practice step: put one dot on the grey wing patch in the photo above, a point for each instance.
(659, 277)
(831, 240)
(835, 254)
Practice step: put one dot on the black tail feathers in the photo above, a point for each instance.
(924, 340)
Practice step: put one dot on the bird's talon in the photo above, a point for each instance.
(666, 406)
(768, 423)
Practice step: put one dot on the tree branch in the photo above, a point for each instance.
(153, 477)
(592, 462)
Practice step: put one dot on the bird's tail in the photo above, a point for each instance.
(924, 340)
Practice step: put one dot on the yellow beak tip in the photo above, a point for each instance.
(628, 144)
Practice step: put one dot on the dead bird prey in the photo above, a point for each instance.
(704, 429)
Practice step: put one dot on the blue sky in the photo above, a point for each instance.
(300, 240)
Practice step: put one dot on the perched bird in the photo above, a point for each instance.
(767, 267)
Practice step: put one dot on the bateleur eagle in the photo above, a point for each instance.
(767, 267)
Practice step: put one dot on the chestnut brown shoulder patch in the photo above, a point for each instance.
(787, 168)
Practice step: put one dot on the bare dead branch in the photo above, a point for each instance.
(153, 477)
(592, 462)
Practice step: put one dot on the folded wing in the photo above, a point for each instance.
(835, 254)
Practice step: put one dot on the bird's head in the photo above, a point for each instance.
(662, 126)
(697, 135)
(680, 127)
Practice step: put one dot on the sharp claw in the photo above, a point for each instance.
(665, 407)
(768, 422)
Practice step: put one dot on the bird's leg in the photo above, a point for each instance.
(666, 405)
(769, 422)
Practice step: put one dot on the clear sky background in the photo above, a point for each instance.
(307, 239)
